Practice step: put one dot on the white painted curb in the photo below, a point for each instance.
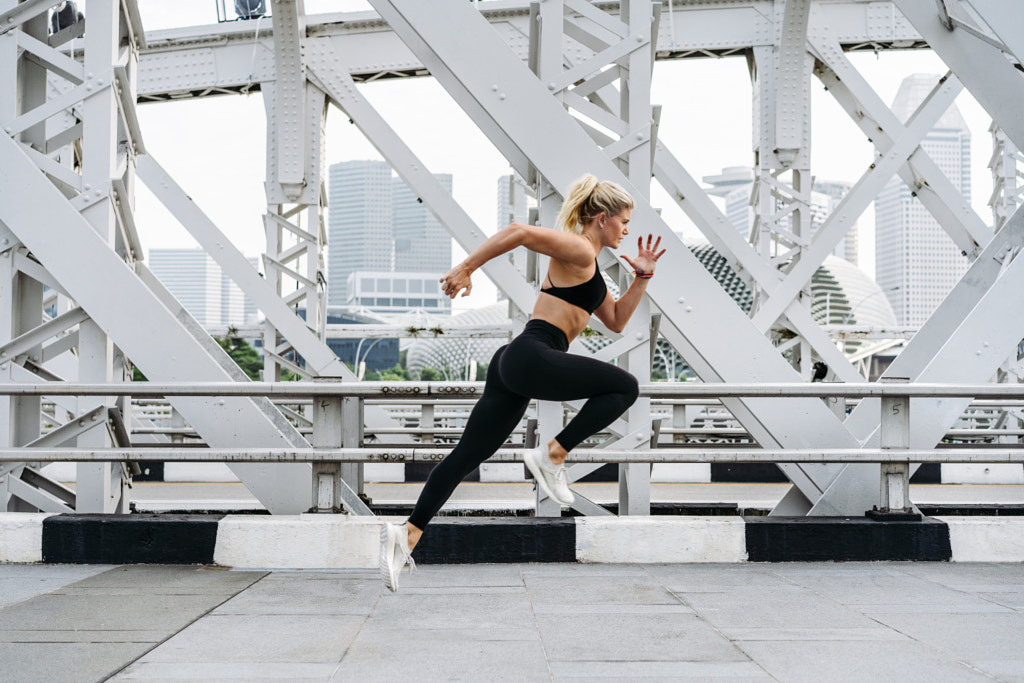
(660, 539)
(986, 539)
(298, 542)
(21, 537)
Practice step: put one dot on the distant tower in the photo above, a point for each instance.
(359, 232)
(512, 203)
(916, 262)
(421, 243)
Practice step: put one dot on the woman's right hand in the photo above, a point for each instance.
(457, 279)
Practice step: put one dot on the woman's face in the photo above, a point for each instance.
(614, 228)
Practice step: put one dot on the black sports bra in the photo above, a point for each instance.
(587, 295)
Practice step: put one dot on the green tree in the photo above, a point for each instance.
(429, 375)
(244, 355)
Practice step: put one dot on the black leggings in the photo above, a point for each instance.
(534, 365)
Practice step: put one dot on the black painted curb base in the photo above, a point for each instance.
(825, 539)
(130, 539)
(493, 540)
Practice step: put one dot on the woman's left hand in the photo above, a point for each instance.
(646, 257)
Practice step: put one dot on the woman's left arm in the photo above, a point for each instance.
(616, 314)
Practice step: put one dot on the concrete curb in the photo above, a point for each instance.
(986, 539)
(339, 541)
(660, 539)
(21, 537)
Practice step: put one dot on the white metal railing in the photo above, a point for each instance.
(337, 434)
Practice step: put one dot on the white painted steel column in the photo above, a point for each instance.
(95, 484)
(636, 113)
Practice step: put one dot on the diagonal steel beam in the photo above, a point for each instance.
(984, 69)
(61, 239)
(1006, 20)
(857, 200)
(881, 126)
(318, 356)
(328, 73)
(948, 319)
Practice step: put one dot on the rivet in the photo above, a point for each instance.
(494, 88)
(551, 86)
(689, 309)
(682, 300)
(639, 335)
(501, 96)
(81, 423)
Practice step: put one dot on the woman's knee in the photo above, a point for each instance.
(631, 390)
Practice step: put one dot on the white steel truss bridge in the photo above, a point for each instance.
(560, 88)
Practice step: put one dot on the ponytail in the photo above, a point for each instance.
(587, 198)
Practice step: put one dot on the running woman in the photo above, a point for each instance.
(536, 364)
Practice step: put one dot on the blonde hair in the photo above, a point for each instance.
(587, 198)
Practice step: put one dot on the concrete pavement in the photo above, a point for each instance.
(518, 622)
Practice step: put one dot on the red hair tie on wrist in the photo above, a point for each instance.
(642, 275)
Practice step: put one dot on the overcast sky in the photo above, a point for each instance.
(214, 147)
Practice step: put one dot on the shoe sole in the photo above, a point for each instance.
(538, 477)
(386, 545)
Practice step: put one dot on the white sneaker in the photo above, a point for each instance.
(549, 476)
(394, 554)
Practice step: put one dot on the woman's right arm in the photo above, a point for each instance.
(553, 243)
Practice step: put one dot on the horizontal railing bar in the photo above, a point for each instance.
(583, 455)
(421, 390)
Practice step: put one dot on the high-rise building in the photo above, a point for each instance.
(916, 262)
(421, 243)
(375, 223)
(206, 292)
(359, 235)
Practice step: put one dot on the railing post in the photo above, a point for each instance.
(352, 437)
(327, 433)
(894, 499)
(427, 423)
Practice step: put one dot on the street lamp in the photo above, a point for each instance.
(369, 348)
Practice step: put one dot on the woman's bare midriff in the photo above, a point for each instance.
(568, 318)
